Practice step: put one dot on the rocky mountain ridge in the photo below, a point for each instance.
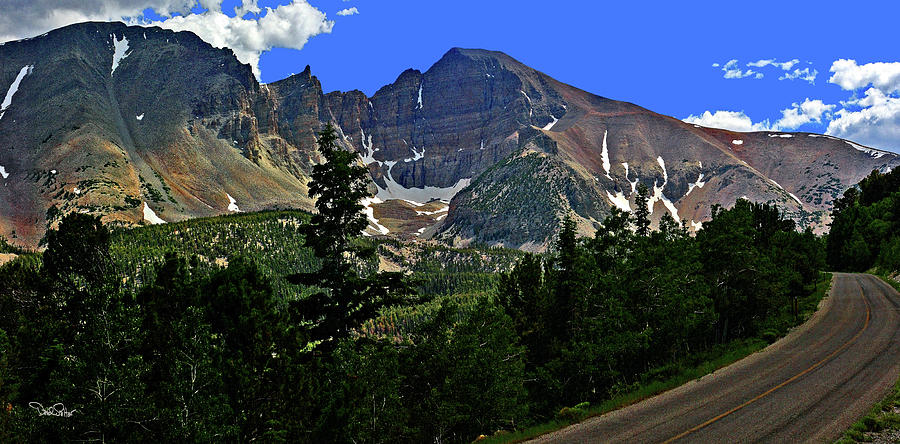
(145, 125)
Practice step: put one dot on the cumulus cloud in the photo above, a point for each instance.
(873, 119)
(876, 123)
(792, 118)
(800, 114)
(28, 18)
(729, 120)
(803, 74)
(247, 6)
(850, 76)
(285, 26)
(348, 11)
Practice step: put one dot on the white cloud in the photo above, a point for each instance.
(761, 63)
(785, 66)
(733, 71)
(876, 124)
(802, 74)
(791, 118)
(800, 114)
(285, 26)
(729, 120)
(873, 119)
(348, 11)
(850, 76)
(247, 6)
(28, 18)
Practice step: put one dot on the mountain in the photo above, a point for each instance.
(145, 125)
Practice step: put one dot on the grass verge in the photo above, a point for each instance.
(676, 374)
(884, 415)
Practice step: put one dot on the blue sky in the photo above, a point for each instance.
(659, 55)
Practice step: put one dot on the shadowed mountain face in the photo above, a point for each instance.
(146, 125)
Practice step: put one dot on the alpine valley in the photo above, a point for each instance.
(145, 125)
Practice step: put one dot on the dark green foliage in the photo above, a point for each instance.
(865, 223)
(5, 247)
(347, 298)
(642, 211)
(597, 314)
(456, 377)
(338, 185)
(77, 253)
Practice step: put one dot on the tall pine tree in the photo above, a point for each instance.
(346, 298)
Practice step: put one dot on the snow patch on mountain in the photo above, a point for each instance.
(370, 214)
(419, 102)
(151, 216)
(604, 154)
(140, 117)
(530, 111)
(662, 164)
(874, 153)
(394, 190)
(737, 142)
(431, 213)
(548, 126)
(526, 96)
(633, 184)
(3, 172)
(658, 193)
(7, 101)
(698, 184)
(232, 204)
(416, 155)
(619, 200)
(369, 157)
(119, 51)
(390, 164)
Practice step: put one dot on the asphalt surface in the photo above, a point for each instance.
(808, 387)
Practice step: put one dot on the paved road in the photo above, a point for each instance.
(808, 387)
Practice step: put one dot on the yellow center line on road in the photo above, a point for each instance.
(793, 378)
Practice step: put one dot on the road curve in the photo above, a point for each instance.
(808, 387)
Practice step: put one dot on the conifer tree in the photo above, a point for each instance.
(642, 211)
(346, 298)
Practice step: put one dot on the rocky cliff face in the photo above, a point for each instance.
(144, 125)
(136, 124)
